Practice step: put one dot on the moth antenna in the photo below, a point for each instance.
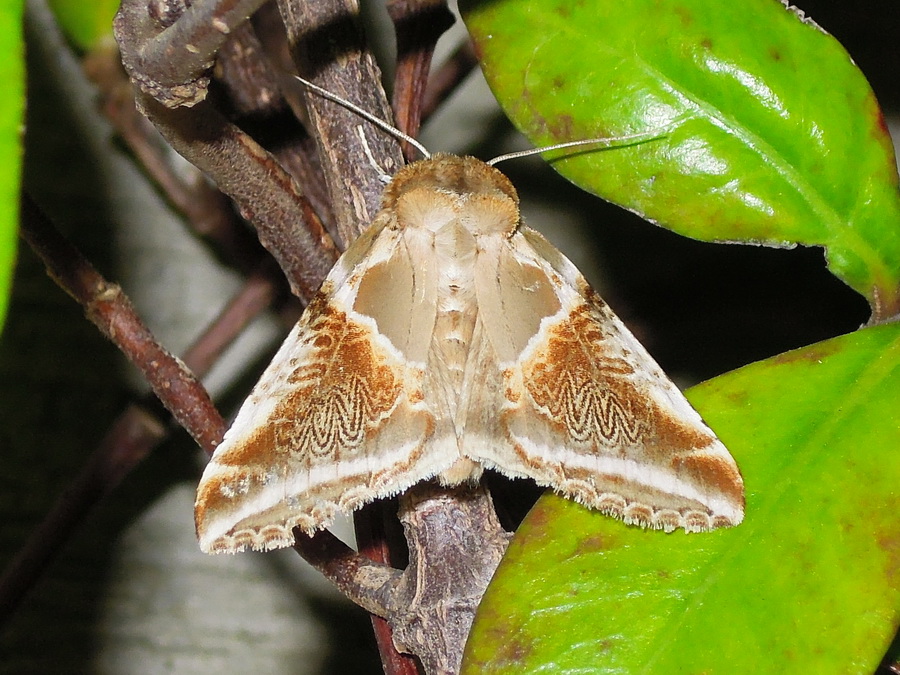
(366, 115)
(640, 137)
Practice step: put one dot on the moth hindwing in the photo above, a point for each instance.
(450, 338)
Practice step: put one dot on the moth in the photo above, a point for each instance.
(450, 338)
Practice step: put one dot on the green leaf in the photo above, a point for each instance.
(85, 23)
(772, 135)
(12, 109)
(807, 584)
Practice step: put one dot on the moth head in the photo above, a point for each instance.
(432, 192)
(451, 175)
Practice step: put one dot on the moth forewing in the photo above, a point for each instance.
(450, 338)
(586, 410)
(337, 418)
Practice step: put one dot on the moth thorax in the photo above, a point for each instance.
(451, 175)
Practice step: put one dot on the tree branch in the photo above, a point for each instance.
(167, 47)
(110, 310)
(455, 544)
(266, 194)
(209, 212)
(329, 50)
(418, 25)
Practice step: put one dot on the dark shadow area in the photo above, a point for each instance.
(870, 32)
(351, 643)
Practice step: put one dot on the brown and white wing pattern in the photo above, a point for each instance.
(446, 339)
(338, 419)
(576, 403)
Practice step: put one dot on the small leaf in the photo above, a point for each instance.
(808, 582)
(772, 135)
(12, 109)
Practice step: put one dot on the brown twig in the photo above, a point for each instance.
(455, 544)
(207, 210)
(251, 83)
(329, 50)
(376, 543)
(266, 194)
(254, 98)
(418, 25)
(276, 125)
(167, 48)
(110, 310)
(136, 431)
(367, 583)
